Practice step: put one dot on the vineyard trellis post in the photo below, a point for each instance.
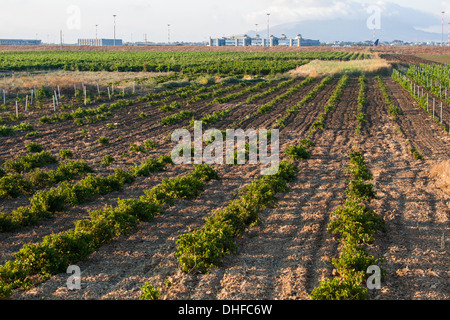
(434, 103)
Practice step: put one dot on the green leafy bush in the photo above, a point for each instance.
(416, 154)
(297, 152)
(104, 141)
(107, 160)
(150, 144)
(29, 161)
(6, 131)
(136, 148)
(65, 154)
(34, 147)
(204, 247)
(339, 289)
(356, 223)
(149, 292)
(14, 185)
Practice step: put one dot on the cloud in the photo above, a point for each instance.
(282, 11)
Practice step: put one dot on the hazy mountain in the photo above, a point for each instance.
(397, 23)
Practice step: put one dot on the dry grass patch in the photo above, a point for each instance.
(354, 67)
(441, 172)
(66, 79)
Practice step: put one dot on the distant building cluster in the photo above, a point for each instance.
(244, 41)
(100, 42)
(20, 42)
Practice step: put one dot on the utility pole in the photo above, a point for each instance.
(114, 15)
(268, 28)
(442, 33)
(96, 33)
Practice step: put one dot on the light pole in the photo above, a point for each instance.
(114, 15)
(268, 28)
(96, 31)
(442, 32)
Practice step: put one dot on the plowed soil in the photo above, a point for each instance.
(287, 254)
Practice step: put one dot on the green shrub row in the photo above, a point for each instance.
(356, 223)
(281, 122)
(6, 131)
(216, 92)
(269, 105)
(269, 91)
(205, 247)
(393, 110)
(212, 117)
(152, 96)
(361, 116)
(177, 117)
(235, 95)
(299, 151)
(14, 185)
(421, 100)
(28, 162)
(36, 262)
(44, 203)
(319, 124)
(101, 112)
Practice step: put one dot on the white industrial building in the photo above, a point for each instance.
(244, 41)
(99, 42)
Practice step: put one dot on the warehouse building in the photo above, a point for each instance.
(99, 42)
(20, 42)
(244, 41)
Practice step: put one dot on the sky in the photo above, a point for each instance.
(194, 20)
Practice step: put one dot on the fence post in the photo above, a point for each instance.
(434, 103)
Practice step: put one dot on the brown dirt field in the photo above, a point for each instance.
(382, 49)
(285, 255)
(405, 59)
